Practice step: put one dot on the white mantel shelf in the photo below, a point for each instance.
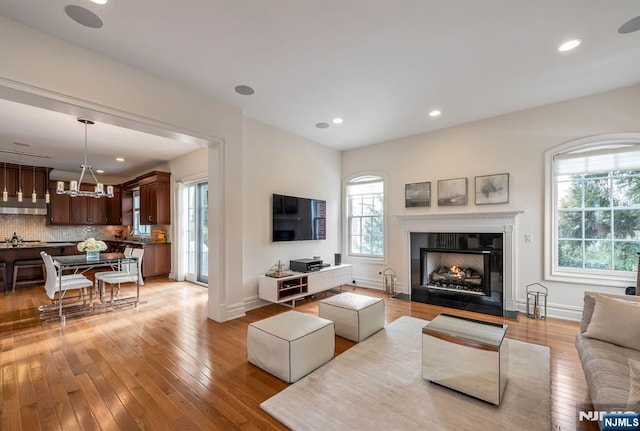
(465, 215)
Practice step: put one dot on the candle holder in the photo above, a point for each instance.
(537, 301)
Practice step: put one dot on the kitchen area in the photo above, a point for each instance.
(35, 217)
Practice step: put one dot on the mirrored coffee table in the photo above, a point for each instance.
(468, 355)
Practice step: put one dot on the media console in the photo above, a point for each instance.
(288, 289)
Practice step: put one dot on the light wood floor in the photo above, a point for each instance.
(165, 366)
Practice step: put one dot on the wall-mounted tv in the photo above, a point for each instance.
(298, 219)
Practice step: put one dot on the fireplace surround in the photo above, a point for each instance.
(480, 233)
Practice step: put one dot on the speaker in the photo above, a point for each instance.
(338, 259)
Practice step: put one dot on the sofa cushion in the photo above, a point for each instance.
(615, 321)
(606, 368)
(634, 386)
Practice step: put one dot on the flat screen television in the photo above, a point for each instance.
(298, 219)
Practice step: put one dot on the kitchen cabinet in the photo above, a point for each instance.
(156, 260)
(114, 208)
(87, 210)
(59, 207)
(155, 198)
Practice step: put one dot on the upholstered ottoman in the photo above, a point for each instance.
(356, 316)
(290, 345)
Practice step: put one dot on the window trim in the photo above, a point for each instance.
(345, 220)
(577, 275)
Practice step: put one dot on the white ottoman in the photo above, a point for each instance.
(356, 316)
(290, 345)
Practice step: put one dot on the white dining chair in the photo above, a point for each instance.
(130, 272)
(60, 285)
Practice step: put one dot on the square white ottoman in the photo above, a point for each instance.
(290, 345)
(356, 316)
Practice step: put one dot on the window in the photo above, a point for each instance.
(365, 216)
(137, 227)
(596, 211)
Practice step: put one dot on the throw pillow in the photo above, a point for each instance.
(616, 321)
(634, 386)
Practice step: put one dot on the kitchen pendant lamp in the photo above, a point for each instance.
(5, 194)
(34, 196)
(75, 187)
(19, 183)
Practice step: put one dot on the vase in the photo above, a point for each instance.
(93, 255)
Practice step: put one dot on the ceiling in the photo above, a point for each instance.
(381, 65)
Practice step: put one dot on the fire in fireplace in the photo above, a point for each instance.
(462, 271)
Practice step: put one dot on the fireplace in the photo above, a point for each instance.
(490, 231)
(461, 270)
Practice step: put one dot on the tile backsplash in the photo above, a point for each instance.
(35, 228)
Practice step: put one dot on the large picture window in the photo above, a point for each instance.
(365, 216)
(596, 212)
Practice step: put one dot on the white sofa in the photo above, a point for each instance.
(609, 337)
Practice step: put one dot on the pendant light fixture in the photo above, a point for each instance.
(75, 187)
(5, 194)
(34, 196)
(19, 183)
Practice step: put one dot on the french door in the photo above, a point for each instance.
(196, 231)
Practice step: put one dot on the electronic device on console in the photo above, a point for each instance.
(305, 265)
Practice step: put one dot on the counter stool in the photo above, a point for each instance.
(24, 264)
(290, 345)
(356, 316)
(3, 272)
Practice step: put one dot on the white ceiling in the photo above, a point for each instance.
(381, 65)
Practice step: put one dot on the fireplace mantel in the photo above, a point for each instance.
(484, 221)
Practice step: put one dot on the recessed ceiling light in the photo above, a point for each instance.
(435, 113)
(99, 171)
(245, 90)
(83, 16)
(322, 125)
(119, 159)
(569, 45)
(99, 1)
(337, 120)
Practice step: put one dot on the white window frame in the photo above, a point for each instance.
(576, 275)
(347, 220)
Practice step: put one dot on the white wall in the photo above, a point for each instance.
(513, 143)
(39, 69)
(279, 162)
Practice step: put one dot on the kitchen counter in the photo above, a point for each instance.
(31, 251)
(35, 244)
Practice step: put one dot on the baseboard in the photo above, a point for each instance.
(558, 311)
(254, 302)
(377, 284)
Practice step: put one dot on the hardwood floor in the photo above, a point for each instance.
(165, 366)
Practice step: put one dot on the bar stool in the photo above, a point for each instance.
(24, 264)
(3, 272)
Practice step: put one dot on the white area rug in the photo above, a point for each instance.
(378, 385)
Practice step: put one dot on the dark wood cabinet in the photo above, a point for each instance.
(156, 260)
(87, 210)
(59, 208)
(155, 198)
(114, 208)
(126, 201)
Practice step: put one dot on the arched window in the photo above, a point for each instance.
(365, 216)
(593, 221)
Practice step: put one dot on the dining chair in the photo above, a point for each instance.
(57, 284)
(130, 272)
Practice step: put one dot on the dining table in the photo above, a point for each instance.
(80, 263)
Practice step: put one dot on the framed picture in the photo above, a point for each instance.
(492, 189)
(452, 192)
(417, 195)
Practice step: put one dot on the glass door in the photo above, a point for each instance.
(195, 231)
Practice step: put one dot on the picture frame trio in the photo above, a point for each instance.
(489, 190)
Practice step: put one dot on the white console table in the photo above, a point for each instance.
(292, 287)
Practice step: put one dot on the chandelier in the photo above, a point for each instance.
(75, 186)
